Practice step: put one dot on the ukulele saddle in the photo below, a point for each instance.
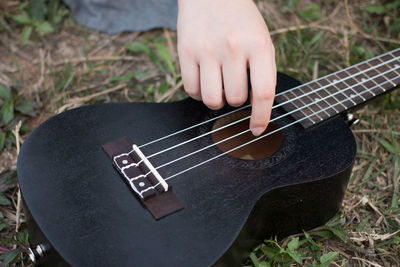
(143, 179)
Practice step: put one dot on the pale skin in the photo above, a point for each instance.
(217, 41)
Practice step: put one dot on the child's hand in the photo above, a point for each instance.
(217, 41)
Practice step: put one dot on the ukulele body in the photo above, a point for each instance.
(82, 211)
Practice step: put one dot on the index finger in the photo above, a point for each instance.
(263, 82)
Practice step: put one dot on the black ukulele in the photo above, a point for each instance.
(175, 184)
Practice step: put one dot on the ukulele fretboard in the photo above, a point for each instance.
(325, 97)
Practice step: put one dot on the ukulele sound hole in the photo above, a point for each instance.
(259, 149)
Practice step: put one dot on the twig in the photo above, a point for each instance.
(335, 11)
(346, 46)
(358, 29)
(6, 68)
(350, 18)
(169, 93)
(376, 210)
(4, 79)
(7, 43)
(385, 236)
(367, 261)
(315, 70)
(302, 27)
(38, 85)
(82, 89)
(375, 131)
(70, 78)
(75, 102)
(382, 39)
(17, 142)
(330, 29)
(95, 58)
(107, 42)
(171, 48)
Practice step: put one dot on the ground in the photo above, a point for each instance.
(50, 64)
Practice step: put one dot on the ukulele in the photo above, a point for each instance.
(176, 184)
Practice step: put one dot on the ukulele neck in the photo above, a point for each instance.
(330, 95)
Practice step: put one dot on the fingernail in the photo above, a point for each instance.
(257, 131)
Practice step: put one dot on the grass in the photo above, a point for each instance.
(50, 64)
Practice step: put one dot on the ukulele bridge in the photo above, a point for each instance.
(142, 177)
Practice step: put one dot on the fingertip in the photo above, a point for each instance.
(196, 97)
(236, 101)
(258, 124)
(257, 131)
(214, 104)
(190, 73)
(193, 92)
(211, 85)
(260, 116)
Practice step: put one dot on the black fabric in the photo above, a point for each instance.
(124, 15)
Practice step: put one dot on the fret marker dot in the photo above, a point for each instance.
(352, 95)
(363, 79)
(124, 161)
(316, 99)
(141, 184)
(397, 66)
(335, 80)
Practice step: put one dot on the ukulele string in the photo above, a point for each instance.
(248, 130)
(276, 106)
(335, 81)
(265, 135)
(245, 118)
(175, 133)
(254, 140)
(287, 91)
(245, 131)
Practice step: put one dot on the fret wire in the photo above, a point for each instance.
(389, 58)
(376, 68)
(334, 95)
(321, 78)
(379, 72)
(392, 74)
(320, 97)
(312, 101)
(364, 79)
(371, 92)
(394, 77)
(360, 83)
(297, 107)
(393, 52)
(394, 70)
(351, 68)
(334, 85)
(397, 65)
(343, 81)
(349, 76)
(386, 58)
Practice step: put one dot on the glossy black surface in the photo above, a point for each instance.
(91, 218)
